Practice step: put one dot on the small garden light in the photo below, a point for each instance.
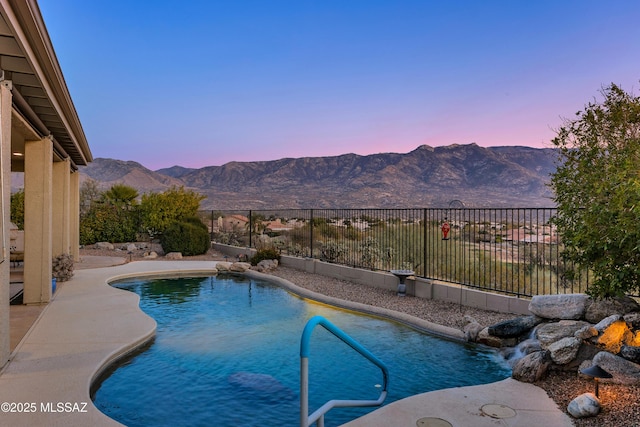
(596, 372)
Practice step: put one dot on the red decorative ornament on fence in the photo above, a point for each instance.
(445, 230)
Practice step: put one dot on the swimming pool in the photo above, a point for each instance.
(226, 353)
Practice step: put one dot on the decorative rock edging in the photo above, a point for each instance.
(570, 333)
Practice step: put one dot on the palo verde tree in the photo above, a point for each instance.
(597, 192)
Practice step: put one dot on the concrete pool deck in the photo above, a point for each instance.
(89, 324)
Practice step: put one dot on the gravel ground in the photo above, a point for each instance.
(620, 404)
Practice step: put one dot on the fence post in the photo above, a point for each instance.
(211, 233)
(250, 226)
(311, 232)
(424, 243)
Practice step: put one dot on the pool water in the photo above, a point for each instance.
(227, 348)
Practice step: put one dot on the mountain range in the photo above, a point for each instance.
(425, 177)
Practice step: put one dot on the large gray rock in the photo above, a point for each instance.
(633, 320)
(568, 307)
(623, 370)
(552, 332)
(564, 350)
(240, 267)
(606, 322)
(173, 255)
(631, 353)
(267, 265)
(514, 327)
(223, 266)
(585, 352)
(104, 245)
(531, 367)
(599, 309)
(585, 405)
(471, 331)
(614, 336)
(586, 332)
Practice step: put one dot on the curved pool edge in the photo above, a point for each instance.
(84, 330)
(90, 324)
(458, 405)
(407, 319)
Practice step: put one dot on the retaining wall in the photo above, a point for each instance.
(418, 287)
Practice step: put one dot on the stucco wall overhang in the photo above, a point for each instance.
(41, 96)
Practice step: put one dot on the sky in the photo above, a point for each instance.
(205, 82)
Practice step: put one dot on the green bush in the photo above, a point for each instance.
(17, 209)
(108, 223)
(159, 210)
(186, 238)
(262, 254)
(597, 192)
(195, 221)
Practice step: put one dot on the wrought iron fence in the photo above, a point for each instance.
(510, 250)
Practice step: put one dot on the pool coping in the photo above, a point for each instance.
(396, 316)
(89, 325)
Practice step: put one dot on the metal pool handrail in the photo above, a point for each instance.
(305, 419)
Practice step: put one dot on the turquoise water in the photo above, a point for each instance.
(227, 351)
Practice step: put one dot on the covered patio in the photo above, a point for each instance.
(42, 138)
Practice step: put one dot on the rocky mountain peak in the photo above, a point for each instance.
(424, 177)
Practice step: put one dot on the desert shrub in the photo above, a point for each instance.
(369, 252)
(186, 238)
(332, 252)
(262, 254)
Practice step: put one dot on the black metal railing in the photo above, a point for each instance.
(509, 250)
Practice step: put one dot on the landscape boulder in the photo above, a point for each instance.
(614, 336)
(267, 265)
(623, 370)
(552, 332)
(564, 351)
(240, 267)
(150, 255)
(531, 367)
(585, 405)
(472, 329)
(567, 306)
(633, 320)
(606, 322)
(514, 327)
(596, 310)
(631, 353)
(586, 332)
(104, 245)
(223, 266)
(173, 255)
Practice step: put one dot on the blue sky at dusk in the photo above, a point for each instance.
(199, 83)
